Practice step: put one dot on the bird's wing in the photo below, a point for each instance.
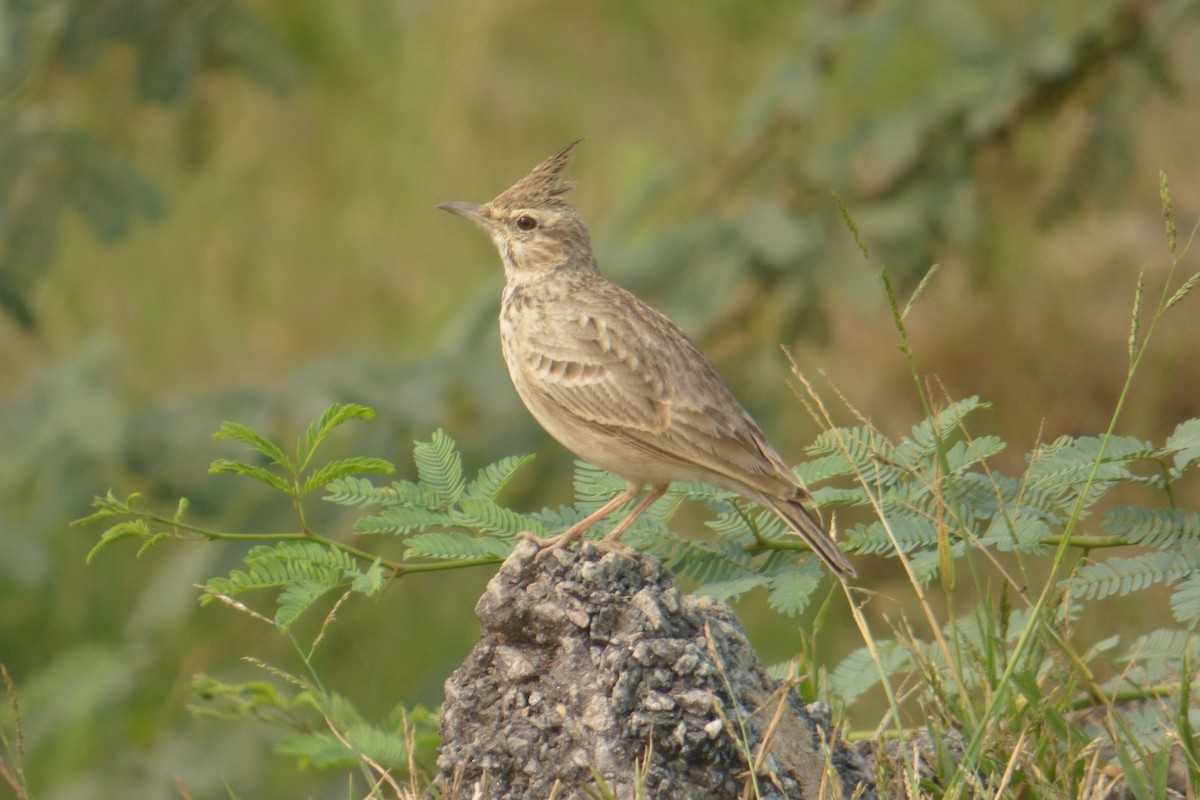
(623, 367)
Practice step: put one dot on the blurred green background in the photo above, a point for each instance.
(224, 209)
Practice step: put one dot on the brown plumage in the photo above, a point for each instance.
(615, 381)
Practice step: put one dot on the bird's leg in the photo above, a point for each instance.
(576, 531)
(613, 540)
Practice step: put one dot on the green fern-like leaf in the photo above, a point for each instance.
(485, 516)
(1163, 644)
(335, 415)
(225, 466)
(1025, 533)
(1183, 445)
(134, 528)
(454, 545)
(383, 747)
(704, 493)
(926, 434)
(962, 456)
(1158, 527)
(1069, 459)
(734, 525)
(439, 467)
(595, 486)
(372, 581)
(415, 494)
(319, 749)
(343, 467)
(700, 561)
(298, 595)
(730, 589)
(832, 496)
(1185, 601)
(303, 571)
(911, 533)
(251, 437)
(871, 454)
(821, 469)
(492, 478)
(973, 495)
(857, 672)
(790, 592)
(1120, 576)
(264, 573)
(404, 519)
(355, 491)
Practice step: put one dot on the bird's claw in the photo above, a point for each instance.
(562, 541)
(549, 544)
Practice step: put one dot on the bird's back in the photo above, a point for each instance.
(582, 348)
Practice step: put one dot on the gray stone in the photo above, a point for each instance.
(591, 661)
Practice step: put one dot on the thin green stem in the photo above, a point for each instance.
(277, 537)
(1136, 694)
(435, 566)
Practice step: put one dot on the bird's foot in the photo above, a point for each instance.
(549, 544)
(612, 544)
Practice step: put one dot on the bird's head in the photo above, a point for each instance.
(534, 226)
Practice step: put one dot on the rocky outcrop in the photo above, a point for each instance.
(595, 669)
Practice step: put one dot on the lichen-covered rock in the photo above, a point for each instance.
(594, 664)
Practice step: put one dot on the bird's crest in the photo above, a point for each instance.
(543, 186)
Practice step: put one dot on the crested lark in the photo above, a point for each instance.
(615, 381)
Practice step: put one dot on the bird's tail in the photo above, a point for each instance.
(801, 520)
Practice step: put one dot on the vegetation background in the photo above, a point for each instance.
(215, 209)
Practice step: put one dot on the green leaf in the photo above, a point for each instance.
(928, 433)
(271, 567)
(1185, 601)
(1120, 576)
(319, 749)
(1027, 537)
(225, 465)
(454, 545)
(109, 506)
(911, 533)
(869, 451)
(372, 581)
(1184, 444)
(404, 519)
(334, 416)
(352, 491)
(964, 455)
(439, 467)
(1166, 644)
(487, 517)
(494, 477)
(343, 467)
(297, 596)
(247, 435)
(730, 589)
(383, 747)
(1158, 527)
(790, 592)
(700, 561)
(822, 469)
(857, 673)
(122, 530)
(595, 486)
(157, 538)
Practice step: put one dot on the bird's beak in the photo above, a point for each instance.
(470, 211)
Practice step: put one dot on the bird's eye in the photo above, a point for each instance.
(526, 222)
